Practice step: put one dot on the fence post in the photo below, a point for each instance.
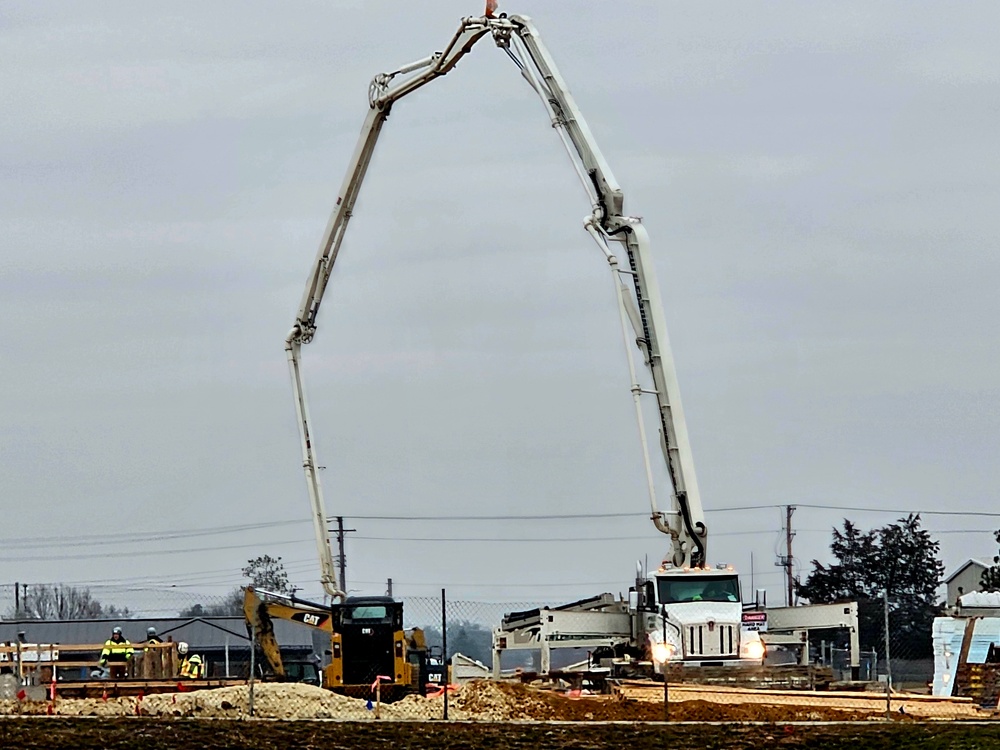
(253, 664)
(888, 660)
(444, 650)
(666, 661)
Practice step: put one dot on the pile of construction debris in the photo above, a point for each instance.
(485, 700)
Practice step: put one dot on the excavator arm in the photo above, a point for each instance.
(635, 284)
(261, 608)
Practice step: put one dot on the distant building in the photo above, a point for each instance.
(965, 579)
(222, 642)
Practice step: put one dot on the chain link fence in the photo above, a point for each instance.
(434, 658)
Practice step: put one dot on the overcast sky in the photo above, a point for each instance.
(821, 186)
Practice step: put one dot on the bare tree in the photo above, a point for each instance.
(61, 602)
(266, 572)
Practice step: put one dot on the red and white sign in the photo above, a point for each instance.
(755, 621)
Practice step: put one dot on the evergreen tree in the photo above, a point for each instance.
(990, 580)
(901, 559)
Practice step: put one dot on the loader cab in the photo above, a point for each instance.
(369, 641)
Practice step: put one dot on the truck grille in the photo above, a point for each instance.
(714, 640)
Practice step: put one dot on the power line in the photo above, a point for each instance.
(149, 552)
(619, 582)
(544, 517)
(728, 509)
(541, 540)
(907, 511)
(78, 540)
(297, 565)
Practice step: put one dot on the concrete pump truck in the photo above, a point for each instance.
(685, 610)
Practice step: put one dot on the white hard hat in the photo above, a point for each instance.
(182, 648)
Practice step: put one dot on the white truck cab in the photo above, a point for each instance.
(693, 616)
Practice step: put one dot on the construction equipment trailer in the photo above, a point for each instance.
(685, 610)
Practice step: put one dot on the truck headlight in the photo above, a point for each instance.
(753, 650)
(662, 652)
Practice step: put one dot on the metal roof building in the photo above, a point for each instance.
(222, 641)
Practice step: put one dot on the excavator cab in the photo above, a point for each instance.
(303, 670)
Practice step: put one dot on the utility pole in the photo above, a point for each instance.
(785, 560)
(17, 600)
(341, 557)
(789, 576)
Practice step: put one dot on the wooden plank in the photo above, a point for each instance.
(870, 702)
(34, 647)
(818, 694)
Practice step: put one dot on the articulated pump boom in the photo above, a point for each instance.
(639, 299)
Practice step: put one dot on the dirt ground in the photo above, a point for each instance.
(490, 701)
(480, 701)
(51, 733)
(484, 701)
(826, 704)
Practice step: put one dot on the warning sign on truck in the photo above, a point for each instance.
(755, 621)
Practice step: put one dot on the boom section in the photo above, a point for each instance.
(384, 91)
(639, 302)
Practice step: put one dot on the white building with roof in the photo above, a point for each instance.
(965, 579)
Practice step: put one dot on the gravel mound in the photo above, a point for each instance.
(271, 701)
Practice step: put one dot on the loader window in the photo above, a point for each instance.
(697, 589)
(368, 612)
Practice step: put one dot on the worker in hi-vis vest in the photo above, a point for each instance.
(192, 666)
(117, 654)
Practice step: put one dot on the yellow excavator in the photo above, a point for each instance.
(367, 643)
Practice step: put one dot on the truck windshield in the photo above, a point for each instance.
(692, 588)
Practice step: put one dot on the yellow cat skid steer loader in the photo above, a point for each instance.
(366, 641)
